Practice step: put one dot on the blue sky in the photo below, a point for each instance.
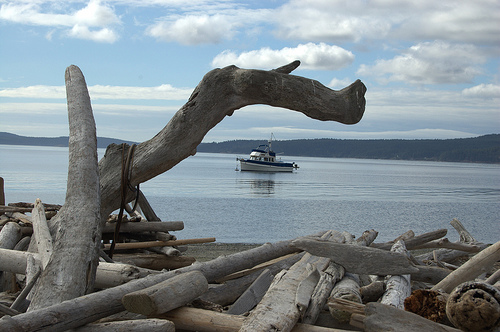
(431, 67)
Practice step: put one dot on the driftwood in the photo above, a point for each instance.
(139, 325)
(150, 244)
(76, 228)
(480, 263)
(358, 259)
(167, 295)
(397, 287)
(445, 243)
(135, 227)
(219, 94)
(415, 241)
(254, 293)
(232, 289)
(288, 296)
(154, 261)
(192, 319)
(83, 310)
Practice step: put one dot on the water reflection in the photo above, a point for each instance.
(258, 187)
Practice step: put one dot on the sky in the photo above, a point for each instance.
(431, 68)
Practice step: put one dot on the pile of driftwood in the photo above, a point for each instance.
(61, 276)
(322, 282)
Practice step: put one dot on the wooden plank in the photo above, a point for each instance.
(193, 319)
(252, 295)
(358, 259)
(136, 227)
(149, 244)
(166, 295)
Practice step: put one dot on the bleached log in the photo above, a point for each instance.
(382, 317)
(86, 309)
(349, 287)
(136, 227)
(445, 243)
(397, 287)
(167, 295)
(329, 277)
(465, 236)
(149, 244)
(252, 295)
(76, 228)
(10, 235)
(478, 264)
(358, 259)
(41, 233)
(21, 217)
(229, 292)
(193, 319)
(114, 274)
(154, 261)
(139, 325)
(287, 298)
(416, 240)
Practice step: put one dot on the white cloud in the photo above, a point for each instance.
(429, 63)
(483, 91)
(312, 56)
(162, 92)
(94, 14)
(195, 29)
(103, 35)
(330, 21)
(338, 84)
(356, 20)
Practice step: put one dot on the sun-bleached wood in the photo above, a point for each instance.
(76, 228)
(397, 287)
(91, 307)
(221, 92)
(167, 295)
(478, 264)
(358, 259)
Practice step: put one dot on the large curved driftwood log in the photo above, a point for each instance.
(220, 93)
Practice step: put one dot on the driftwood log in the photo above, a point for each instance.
(94, 189)
(87, 309)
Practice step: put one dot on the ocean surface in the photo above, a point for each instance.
(213, 199)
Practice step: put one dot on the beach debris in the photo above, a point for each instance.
(69, 276)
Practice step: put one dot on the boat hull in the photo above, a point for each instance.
(256, 166)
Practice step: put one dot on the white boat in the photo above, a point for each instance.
(263, 159)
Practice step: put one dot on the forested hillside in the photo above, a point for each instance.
(479, 149)
(12, 139)
(485, 149)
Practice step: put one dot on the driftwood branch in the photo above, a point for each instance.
(71, 270)
(219, 94)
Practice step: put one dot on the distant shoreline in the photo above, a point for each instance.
(481, 149)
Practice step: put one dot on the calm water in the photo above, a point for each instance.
(353, 195)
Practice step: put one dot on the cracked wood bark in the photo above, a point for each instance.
(219, 94)
(478, 264)
(287, 298)
(193, 319)
(70, 271)
(91, 307)
(398, 287)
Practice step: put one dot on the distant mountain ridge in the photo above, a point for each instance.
(483, 149)
(62, 141)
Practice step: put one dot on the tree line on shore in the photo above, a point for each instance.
(483, 149)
